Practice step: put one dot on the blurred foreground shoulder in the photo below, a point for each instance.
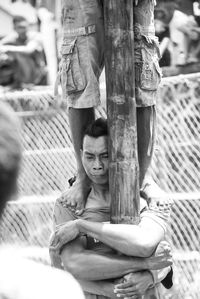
(24, 279)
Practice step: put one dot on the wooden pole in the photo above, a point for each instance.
(121, 111)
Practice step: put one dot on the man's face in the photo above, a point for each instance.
(95, 159)
(21, 28)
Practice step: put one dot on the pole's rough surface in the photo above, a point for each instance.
(121, 109)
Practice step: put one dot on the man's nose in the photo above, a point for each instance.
(97, 164)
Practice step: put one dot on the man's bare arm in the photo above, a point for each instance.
(89, 265)
(28, 49)
(85, 264)
(133, 240)
(61, 216)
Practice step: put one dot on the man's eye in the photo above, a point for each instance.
(105, 156)
(89, 158)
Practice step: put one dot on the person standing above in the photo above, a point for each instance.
(82, 60)
(26, 48)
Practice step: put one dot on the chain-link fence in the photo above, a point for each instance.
(48, 163)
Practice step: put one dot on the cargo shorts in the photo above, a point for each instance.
(82, 55)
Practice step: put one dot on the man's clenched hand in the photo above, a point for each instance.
(63, 234)
(161, 258)
(134, 285)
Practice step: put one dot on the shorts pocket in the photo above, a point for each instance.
(150, 72)
(72, 75)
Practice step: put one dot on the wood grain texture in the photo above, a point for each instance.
(121, 109)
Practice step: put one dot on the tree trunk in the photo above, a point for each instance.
(121, 111)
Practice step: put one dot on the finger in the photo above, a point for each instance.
(131, 290)
(58, 241)
(79, 209)
(123, 285)
(69, 205)
(63, 225)
(54, 245)
(56, 248)
(129, 296)
(79, 212)
(73, 203)
(58, 227)
(64, 197)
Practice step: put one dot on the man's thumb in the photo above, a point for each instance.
(79, 209)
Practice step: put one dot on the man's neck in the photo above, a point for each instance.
(100, 190)
(99, 196)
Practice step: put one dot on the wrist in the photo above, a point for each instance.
(80, 227)
(145, 264)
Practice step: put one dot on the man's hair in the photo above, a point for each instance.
(97, 128)
(10, 153)
(18, 19)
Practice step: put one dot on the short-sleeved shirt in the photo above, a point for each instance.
(158, 213)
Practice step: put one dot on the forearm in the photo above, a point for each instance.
(127, 239)
(18, 49)
(102, 288)
(91, 266)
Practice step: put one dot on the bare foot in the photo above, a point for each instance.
(75, 197)
(162, 257)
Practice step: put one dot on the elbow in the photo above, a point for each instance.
(147, 250)
(142, 248)
(73, 266)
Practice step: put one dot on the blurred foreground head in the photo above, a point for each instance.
(10, 153)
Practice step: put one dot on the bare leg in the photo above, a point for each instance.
(145, 131)
(79, 119)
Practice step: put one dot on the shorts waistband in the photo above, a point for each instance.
(86, 30)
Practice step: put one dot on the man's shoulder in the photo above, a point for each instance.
(62, 212)
(21, 286)
(9, 39)
(61, 199)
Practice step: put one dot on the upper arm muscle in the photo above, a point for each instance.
(61, 214)
(71, 249)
